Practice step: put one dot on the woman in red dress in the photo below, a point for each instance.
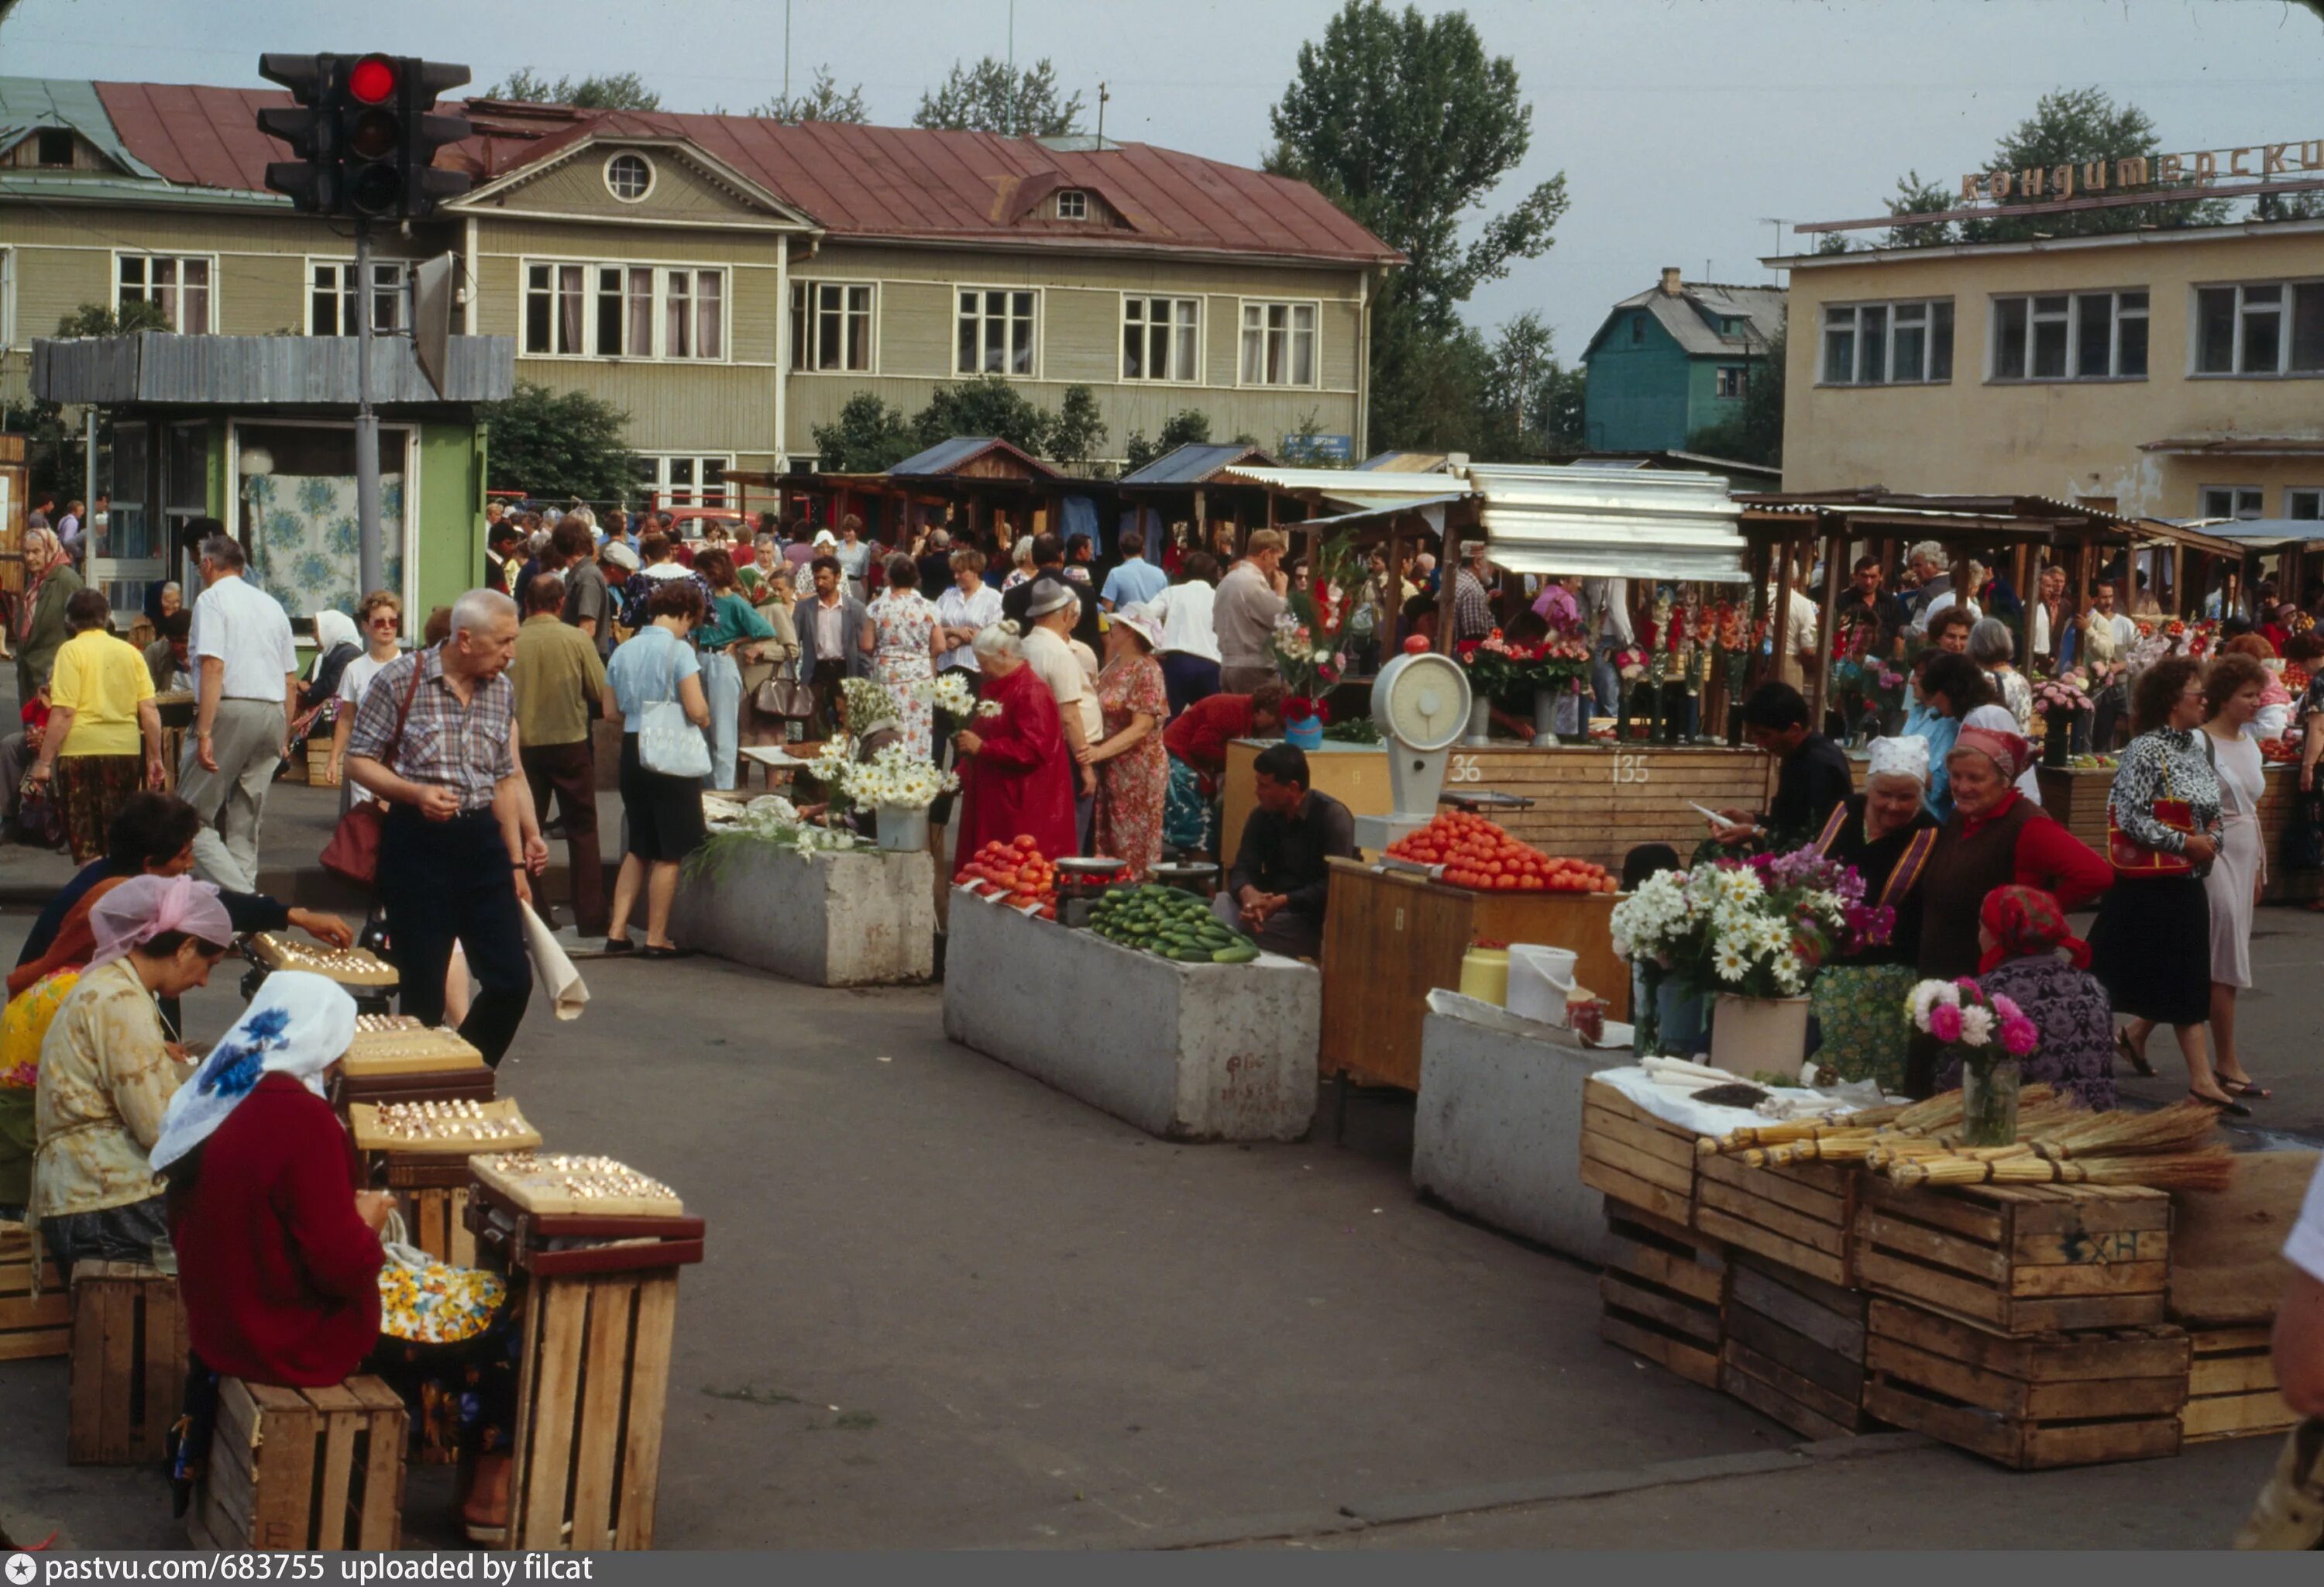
(1016, 774)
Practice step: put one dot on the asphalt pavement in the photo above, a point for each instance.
(946, 1306)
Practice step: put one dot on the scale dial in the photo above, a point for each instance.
(1422, 701)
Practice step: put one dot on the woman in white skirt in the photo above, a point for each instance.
(2232, 690)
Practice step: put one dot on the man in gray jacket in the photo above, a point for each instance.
(836, 642)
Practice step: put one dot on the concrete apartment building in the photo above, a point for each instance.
(2167, 372)
(728, 282)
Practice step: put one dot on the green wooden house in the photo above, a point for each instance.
(1673, 361)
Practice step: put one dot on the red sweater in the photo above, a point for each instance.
(1199, 734)
(2050, 857)
(280, 1277)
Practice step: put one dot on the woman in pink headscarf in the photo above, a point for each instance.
(108, 1070)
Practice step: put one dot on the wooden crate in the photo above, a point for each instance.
(302, 1469)
(30, 1328)
(2030, 1403)
(2279, 807)
(1801, 1215)
(592, 1385)
(128, 1363)
(2034, 1259)
(2077, 800)
(1635, 1157)
(2227, 1248)
(319, 762)
(1661, 1290)
(1392, 938)
(1793, 1348)
(2231, 1390)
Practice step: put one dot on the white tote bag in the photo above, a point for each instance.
(667, 743)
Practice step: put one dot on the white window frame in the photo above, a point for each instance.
(807, 312)
(591, 288)
(2291, 494)
(1888, 308)
(388, 276)
(1039, 348)
(1144, 302)
(2237, 492)
(660, 487)
(2288, 288)
(210, 289)
(653, 176)
(1741, 381)
(1073, 204)
(2117, 314)
(1244, 328)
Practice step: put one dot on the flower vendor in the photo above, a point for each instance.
(2021, 932)
(1886, 835)
(1813, 779)
(1016, 774)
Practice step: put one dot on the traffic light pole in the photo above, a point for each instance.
(370, 556)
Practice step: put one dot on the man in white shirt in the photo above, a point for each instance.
(1606, 615)
(245, 695)
(1053, 608)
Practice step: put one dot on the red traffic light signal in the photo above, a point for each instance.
(372, 80)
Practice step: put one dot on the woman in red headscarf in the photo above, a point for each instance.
(2021, 931)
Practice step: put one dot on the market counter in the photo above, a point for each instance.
(1390, 937)
(1499, 1109)
(1187, 1052)
(1595, 804)
(2077, 797)
(859, 918)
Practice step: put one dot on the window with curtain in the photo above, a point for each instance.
(619, 311)
(179, 285)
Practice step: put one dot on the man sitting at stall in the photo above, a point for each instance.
(1279, 883)
(1814, 775)
(1197, 739)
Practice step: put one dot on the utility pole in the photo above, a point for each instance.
(1103, 96)
(1778, 222)
(369, 560)
(786, 54)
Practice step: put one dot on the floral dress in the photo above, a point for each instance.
(904, 627)
(1130, 787)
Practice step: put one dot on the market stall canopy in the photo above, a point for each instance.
(1344, 489)
(1619, 522)
(2257, 535)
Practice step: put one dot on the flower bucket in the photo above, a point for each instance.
(1989, 1103)
(1567, 721)
(903, 828)
(1481, 723)
(2058, 735)
(1307, 733)
(1752, 1034)
(1544, 719)
(1682, 1017)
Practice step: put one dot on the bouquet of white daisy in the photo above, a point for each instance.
(952, 694)
(1760, 928)
(892, 777)
(869, 705)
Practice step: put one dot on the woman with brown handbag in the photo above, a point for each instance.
(2152, 944)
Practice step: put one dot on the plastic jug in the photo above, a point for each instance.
(1540, 979)
(1485, 975)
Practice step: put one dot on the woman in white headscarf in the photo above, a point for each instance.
(1886, 833)
(108, 1070)
(337, 642)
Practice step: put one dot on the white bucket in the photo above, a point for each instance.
(1540, 980)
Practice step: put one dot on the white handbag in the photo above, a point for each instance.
(667, 743)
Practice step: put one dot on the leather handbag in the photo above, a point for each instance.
(2133, 860)
(782, 696)
(353, 852)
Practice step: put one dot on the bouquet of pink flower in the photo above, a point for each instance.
(1989, 1034)
(2065, 692)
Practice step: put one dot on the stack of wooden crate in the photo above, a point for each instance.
(2227, 1275)
(31, 1327)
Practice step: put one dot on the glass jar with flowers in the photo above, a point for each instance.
(1990, 1036)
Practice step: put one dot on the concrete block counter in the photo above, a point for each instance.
(1499, 1109)
(861, 917)
(1188, 1052)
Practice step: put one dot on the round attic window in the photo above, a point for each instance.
(631, 176)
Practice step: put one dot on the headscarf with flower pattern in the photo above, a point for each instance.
(2025, 921)
(300, 1024)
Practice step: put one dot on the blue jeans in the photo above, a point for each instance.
(1606, 682)
(721, 684)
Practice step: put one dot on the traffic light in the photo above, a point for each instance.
(365, 134)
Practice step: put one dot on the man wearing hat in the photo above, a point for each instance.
(1071, 672)
(616, 561)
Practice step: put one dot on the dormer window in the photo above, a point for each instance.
(1073, 204)
(53, 147)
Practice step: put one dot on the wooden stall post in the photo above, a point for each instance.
(1835, 554)
(2020, 572)
(2178, 606)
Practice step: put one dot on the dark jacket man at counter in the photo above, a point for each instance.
(1277, 888)
(1814, 775)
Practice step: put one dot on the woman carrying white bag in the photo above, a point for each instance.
(655, 682)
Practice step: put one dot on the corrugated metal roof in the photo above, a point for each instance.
(950, 457)
(159, 367)
(1402, 462)
(26, 103)
(1358, 490)
(856, 180)
(1195, 463)
(1635, 524)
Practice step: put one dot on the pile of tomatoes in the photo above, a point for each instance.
(1476, 854)
(1016, 871)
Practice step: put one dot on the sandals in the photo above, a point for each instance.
(2132, 1056)
(2242, 1086)
(2230, 1106)
(620, 945)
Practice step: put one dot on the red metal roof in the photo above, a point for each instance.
(857, 181)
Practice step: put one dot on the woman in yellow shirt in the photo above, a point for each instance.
(100, 708)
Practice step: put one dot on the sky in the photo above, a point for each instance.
(1685, 128)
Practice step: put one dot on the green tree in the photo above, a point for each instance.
(1528, 403)
(1405, 122)
(996, 95)
(1915, 197)
(821, 102)
(986, 407)
(1078, 430)
(1188, 427)
(613, 91)
(559, 444)
(869, 436)
(1756, 434)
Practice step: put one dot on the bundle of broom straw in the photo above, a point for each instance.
(1916, 1119)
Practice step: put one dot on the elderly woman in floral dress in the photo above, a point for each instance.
(1133, 769)
(910, 640)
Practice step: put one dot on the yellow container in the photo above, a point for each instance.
(1485, 975)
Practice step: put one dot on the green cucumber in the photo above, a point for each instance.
(1241, 953)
